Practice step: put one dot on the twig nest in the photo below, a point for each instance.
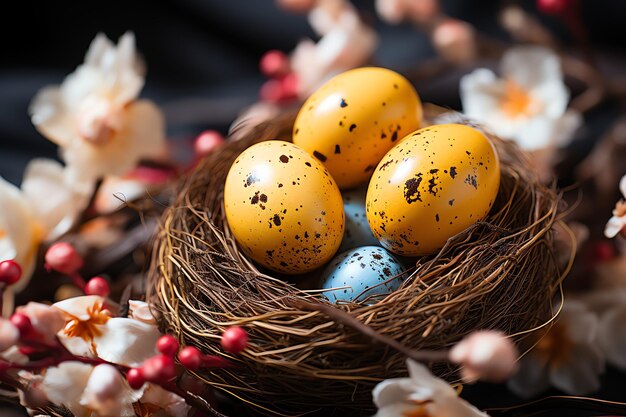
(500, 273)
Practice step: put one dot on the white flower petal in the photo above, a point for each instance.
(614, 226)
(535, 134)
(531, 66)
(565, 127)
(481, 93)
(140, 310)
(622, 185)
(100, 46)
(423, 378)
(142, 136)
(531, 379)
(114, 192)
(170, 403)
(47, 113)
(553, 97)
(612, 335)
(126, 341)
(64, 385)
(392, 391)
(581, 323)
(398, 410)
(20, 235)
(582, 374)
(108, 394)
(56, 202)
(78, 306)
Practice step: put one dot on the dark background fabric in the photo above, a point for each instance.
(202, 58)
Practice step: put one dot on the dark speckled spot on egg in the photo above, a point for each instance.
(343, 103)
(284, 159)
(320, 156)
(352, 127)
(411, 189)
(337, 149)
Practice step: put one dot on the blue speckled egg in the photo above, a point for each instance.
(358, 272)
(357, 232)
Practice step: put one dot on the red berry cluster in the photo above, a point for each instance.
(282, 85)
(161, 369)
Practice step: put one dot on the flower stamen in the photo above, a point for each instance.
(516, 102)
(88, 329)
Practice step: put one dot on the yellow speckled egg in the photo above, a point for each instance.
(283, 207)
(352, 120)
(434, 184)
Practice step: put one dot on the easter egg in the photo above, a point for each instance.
(283, 207)
(434, 184)
(358, 232)
(362, 272)
(352, 120)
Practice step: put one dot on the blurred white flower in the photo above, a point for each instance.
(567, 357)
(46, 320)
(94, 115)
(91, 331)
(169, 404)
(421, 394)
(419, 11)
(140, 310)
(610, 306)
(48, 204)
(528, 104)
(485, 355)
(346, 43)
(618, 221)
(89, 392)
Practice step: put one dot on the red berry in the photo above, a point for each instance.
(274, 63)
(555, 7)
(10, 272)
(23, 324)
(97, 286)
(190, 358)
(289, 85)
(63, 258)
(603, 251)
(234, 339)
(272, 91)
(135, 378)
(167, 345)
(212, 361)
(207, 141)
(159, 369)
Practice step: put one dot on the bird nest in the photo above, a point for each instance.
(306, 354)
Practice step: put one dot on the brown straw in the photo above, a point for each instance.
(501, 273)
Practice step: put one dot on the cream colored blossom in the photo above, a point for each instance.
(92, 331)
(528, 104)
(48, 204)
(94, 115)
(421, 394)
(567, 357)
(617, 222)
(90, 392)
(346, 43)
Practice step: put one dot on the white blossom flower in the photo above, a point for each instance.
(92, 331)
(567, 357)
(346, 43)
(618, 221)
(168, 403)
(94, 115)
(610, 306)
(528, 104)
(90, 392)
(48, 204)
(421, 394)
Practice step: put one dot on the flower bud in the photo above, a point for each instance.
(167, 345)
(159, 369)
(274, 63)
(454, 40)
(486, 355)
(190, 358)
(22, 323)
(46, 320)
(135, 378)
(98, 286)
(140, 310)
(234, 340)
(9, 334)
(10, 272)
(63, 257)
(207, 141)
